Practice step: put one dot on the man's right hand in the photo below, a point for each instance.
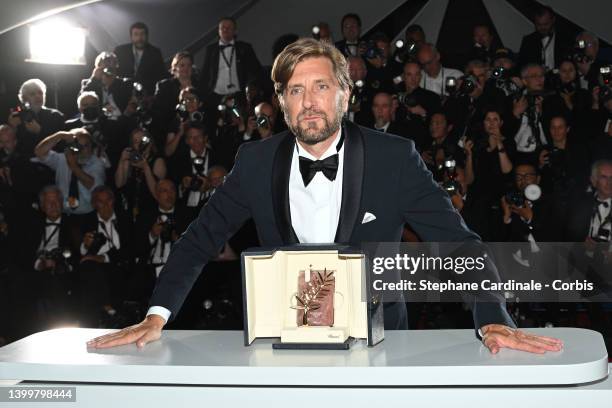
(14, 119)
(148, 330)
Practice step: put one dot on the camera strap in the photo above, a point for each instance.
(109, 237)
(597, 215)
(47, 239)
(228, 62)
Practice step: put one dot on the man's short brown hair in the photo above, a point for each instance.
(304, 48)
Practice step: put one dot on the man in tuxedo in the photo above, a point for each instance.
(113, 92)
(140, 60)
(350, 45)
(313, 184)
(382, 109)
(229, 65)
(546, 45)
(105, 257)
(33, 121)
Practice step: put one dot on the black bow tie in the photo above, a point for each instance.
(602, 203)
(309, 168)
(52, 224)
(224, 46)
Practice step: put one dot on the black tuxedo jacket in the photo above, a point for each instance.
(341, 45)
(33, 234)
(531, 48)
(247, 66)
(143, 228)
(150, 70)
(116, 256)
(579, 218)
(383, 175)
(121, 90)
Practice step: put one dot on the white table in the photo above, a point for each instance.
(199, 368)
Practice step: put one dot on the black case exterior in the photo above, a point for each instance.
(375, 313)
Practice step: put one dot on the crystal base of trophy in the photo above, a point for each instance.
(311, 297)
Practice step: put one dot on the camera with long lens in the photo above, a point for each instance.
(137, 154)
(99, 239)
(405, 51)
(448, 169)
(501, 78)
(60, 256)
(579, 53)
(144, 118)
(262, 121)
(408, 100)
(229, 106)
(198, 164)
(515, 198)
(372, 51)
(168, 226)
(601, 235)
(184, 114)
(74, 146)
(316, 32)
(25, 112)
(356, 96)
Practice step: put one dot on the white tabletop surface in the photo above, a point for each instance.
(404, 358)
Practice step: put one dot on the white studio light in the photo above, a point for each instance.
(57, 42)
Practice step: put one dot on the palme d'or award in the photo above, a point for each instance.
(309, 297)
(315, 298)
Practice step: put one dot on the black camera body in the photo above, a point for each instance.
(198, 164)
(602, 235)
(60, 256)
(99, 239)
(579, 53)
(168, 226)
(515, 198)
(25, 112)
(137, 155)
(372, 51)
(263, 121)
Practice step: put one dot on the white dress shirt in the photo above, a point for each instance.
(438, 84)
(314, 209)
(223, 73)
(603, 212)
(107, 228)
(525, 141)
(196, 196)
(548, 52)
(50, 240)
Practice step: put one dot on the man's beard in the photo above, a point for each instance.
(311, 135)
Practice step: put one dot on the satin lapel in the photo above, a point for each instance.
(280, 188)
(352, 182)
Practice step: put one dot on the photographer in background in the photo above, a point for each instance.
(77, 170)
(434, 74)
(586, 57)
(189, 109)
(139, 59)
(484, 45)
(491, 153)
(114, 92)
(360, 101)
(351, 44)
(526, 211)
(262, 125)
(32, 120)
(48, 253)
(20, 179)
(139, 169)
(190, 169)
(105, 259)
(382, 69)
(570, 99)
(564, 166)
(156, 231)
(383, 118)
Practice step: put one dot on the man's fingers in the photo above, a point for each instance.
(518, 344)
(119, 338)
(148, 337)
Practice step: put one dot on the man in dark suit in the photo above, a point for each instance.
(113, 92)
(105, 257)
(382, 108)
(350, 45)
(229, 65)
(294, 189)
(546, 45)
(140, 60)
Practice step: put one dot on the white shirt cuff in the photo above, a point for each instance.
(160, 311)
(83, 249)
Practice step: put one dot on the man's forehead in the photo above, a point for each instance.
(315, 68)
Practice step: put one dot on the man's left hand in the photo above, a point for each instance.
(71, 160)
(498, 336)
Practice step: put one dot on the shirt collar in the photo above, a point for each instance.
(58, 221)
(171, 211)
(112, 218)
(193, 154)
(223, 43)
(331, 150)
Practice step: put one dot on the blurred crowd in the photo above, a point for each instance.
(91, 205)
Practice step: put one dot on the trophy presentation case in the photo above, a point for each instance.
(311, 297)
